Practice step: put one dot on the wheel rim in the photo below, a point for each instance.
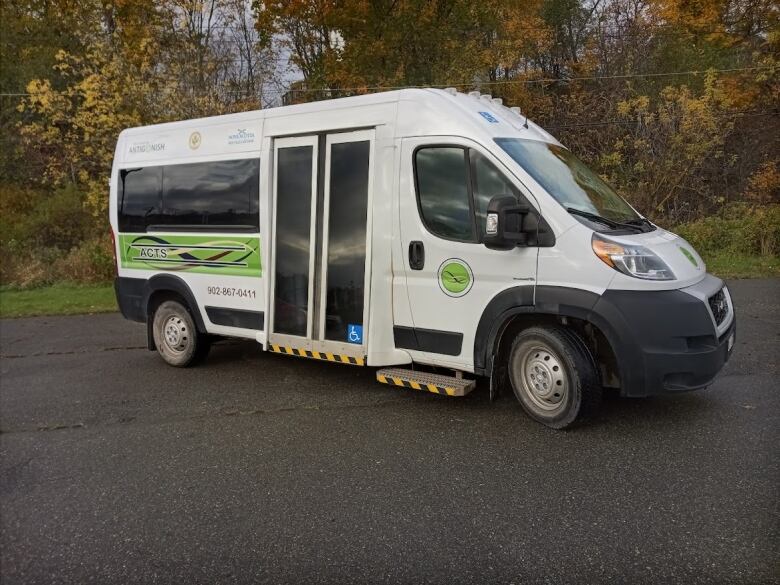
(176, 334)
(543, 378)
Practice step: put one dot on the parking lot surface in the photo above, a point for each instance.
(271, 469)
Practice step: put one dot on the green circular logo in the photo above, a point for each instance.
(455, 277)
(687, 253)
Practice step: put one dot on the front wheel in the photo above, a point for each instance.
(176, 337)
(554, 376)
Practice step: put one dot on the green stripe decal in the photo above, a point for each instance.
(207, 254)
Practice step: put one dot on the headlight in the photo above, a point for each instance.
(630, 259)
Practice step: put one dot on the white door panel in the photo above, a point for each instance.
(449, 291)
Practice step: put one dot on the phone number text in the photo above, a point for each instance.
(229, 291)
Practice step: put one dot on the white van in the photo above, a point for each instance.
(437, 235)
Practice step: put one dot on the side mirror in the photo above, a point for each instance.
(505, 223)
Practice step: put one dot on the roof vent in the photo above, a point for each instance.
(516, 110)
(451, 90)
(474, 94)
(498, 101)
(486, 96)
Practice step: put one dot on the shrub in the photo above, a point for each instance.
(48, 237)
(60, 220)
(25, 265)
(15, 204)
(738, 229)
(92, 262)
(55, 219)
(29, 266)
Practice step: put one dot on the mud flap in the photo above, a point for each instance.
(498, 379)
(150, 334)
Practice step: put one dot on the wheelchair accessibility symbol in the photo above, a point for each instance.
(355, 333)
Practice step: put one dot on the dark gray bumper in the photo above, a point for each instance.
(131, 297)
(667, 341)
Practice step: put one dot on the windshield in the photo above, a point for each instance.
(567, 178)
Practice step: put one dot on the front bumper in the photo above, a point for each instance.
(667, 341)
(691, 370)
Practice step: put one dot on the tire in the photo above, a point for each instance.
(554, 376)
(176, 337)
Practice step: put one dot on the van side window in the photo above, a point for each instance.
(140, 192)
(442, 177)
(454, 186)
(209, 196)
(488, 182)
(217, 194)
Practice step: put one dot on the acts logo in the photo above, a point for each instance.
(455, 277)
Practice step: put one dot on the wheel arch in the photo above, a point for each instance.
(162, 287)
(525, 306)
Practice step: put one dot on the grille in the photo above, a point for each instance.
(719, 306)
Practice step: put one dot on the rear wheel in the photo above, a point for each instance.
(176, 336)
(554, 376)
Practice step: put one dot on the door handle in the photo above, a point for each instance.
(416, 255)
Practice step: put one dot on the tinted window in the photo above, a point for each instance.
(346, 238)
(442, 187)
(488, 182)
(213, 195)
(216, 194)
(139, 198)
(293, 239)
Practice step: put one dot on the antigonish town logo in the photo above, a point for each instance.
(146, 146)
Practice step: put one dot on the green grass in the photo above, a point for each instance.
(729, 265)
(59, 299)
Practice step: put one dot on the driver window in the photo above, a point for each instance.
(442, 177)
(454, 186)
(488, 182)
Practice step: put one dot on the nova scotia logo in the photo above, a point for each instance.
(241, 136)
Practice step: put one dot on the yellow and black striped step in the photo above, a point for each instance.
(318, 355)
(436, 383)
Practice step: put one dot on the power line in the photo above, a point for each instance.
(629, 28)
(530, 81)
(727, 115)
(481, 83)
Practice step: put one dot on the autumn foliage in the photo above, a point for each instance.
(675, 102)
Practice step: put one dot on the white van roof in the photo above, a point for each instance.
(415, 112)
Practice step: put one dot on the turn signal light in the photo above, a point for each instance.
(631, 259)
(605, 250)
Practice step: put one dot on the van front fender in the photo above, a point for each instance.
(554, 301)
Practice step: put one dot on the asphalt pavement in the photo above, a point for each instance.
(260, 468)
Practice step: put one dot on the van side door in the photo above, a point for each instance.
(445, 187)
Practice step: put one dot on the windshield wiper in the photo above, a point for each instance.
(641, 221)
(605, 220)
